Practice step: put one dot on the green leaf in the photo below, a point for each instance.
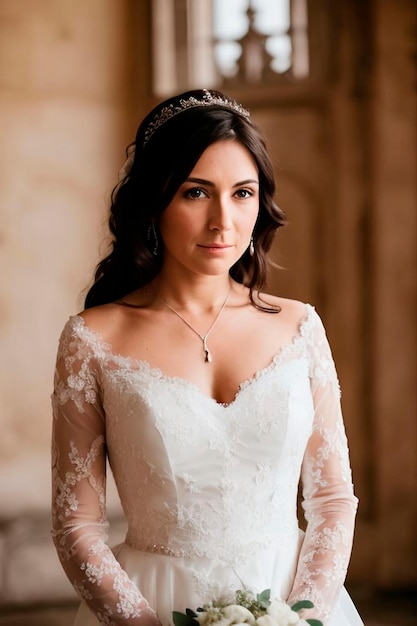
(190, 613)
(264, 598)
(314, 622)
(302, 604)
(181, 619)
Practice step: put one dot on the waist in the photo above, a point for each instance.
(229, 550)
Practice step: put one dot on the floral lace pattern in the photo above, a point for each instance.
(219, 481)
(78, 479)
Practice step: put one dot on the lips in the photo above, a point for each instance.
(220, 246)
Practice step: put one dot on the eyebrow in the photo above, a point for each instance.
(209, 183)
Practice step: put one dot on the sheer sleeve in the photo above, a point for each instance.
(328, 501)
(78, 485)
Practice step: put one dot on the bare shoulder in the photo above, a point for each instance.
(103, 319)
(117, 319)
(278, 322)
(294, 310)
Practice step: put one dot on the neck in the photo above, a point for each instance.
(197, 296)
(203, 336)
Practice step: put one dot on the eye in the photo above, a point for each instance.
(244, 193)
(195, 193)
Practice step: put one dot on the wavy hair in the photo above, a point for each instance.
(165, 151)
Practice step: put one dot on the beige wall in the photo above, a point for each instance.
(63, 75)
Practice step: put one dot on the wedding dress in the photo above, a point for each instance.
(209, 490)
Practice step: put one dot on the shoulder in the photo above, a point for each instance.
(104, 324)
(115, 317)
(298, 318)
(85, 328)
(115, 322)
(293, 312)
(101, 318)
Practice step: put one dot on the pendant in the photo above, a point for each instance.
(208, 358)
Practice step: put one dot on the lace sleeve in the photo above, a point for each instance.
(328, 500)
(78, 486)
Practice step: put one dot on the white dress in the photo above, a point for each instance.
(209, 490)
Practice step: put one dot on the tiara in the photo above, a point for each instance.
(208, 99)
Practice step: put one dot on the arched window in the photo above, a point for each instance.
(207, 43)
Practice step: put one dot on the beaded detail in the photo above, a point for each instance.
(158, 548)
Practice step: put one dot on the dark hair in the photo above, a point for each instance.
(168, 144)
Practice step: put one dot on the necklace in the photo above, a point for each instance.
(208, 357)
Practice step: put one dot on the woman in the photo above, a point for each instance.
(150, 375)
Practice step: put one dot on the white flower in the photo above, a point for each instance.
(282, 614)
(271, 612)
(266, 620)
(233, 614)
(221, 621)
(211, 616)
(238, 614)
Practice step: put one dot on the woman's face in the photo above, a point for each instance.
(209, 222)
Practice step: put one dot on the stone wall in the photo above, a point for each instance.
(62, 125)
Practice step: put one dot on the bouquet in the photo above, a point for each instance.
(247, 609)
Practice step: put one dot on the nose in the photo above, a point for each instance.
(220, 218)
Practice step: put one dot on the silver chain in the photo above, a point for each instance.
(208, 357)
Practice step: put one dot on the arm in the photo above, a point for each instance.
(78, 488)
(328, 500)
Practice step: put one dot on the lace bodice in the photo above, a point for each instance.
(199, 479)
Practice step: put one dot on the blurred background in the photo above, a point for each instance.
(333, 86)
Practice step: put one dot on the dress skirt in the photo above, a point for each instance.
(176, 583)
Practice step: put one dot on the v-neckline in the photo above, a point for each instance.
(141, 365)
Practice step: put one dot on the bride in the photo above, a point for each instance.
(211, 400)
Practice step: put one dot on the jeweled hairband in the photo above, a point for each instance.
(208, 99)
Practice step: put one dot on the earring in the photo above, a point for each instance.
(151, 229)
(156, 244)
(251, 247)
